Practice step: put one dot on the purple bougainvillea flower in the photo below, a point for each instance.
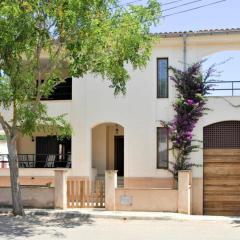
(190, 102)
(197, 104)
(189, 108)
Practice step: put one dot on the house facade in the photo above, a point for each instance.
(124, 133)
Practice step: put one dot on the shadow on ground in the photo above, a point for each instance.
(32, 225)
(236, 223)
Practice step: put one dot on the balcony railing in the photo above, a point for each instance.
(38, 160)
(225, 88)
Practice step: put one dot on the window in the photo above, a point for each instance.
(162, 77)
(63, 91)
(162, 147)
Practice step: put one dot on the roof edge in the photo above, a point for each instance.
(198, 33)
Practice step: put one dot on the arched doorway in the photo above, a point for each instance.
(108, 148)
(221, 168)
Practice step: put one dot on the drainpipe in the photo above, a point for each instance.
(184, 51)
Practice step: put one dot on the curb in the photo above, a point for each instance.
(102, 214)
(74, 214)
(85, 214)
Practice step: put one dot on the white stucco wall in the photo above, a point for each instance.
(139, 111)
(99, 146)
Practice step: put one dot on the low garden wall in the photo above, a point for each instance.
(32, 196)
(149, 199)
(40, 196)
(146, 199)
(128, 199)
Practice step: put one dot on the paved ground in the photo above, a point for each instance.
(37, 227)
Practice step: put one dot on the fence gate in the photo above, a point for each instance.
(83, 193)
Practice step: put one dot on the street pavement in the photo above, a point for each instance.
(40, 227)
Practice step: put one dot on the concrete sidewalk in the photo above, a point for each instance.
(102, 213)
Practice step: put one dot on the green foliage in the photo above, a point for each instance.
(3, 137)
(51, 40)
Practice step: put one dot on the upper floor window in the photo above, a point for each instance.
(162, 77)
(162, 147)
(63, 91)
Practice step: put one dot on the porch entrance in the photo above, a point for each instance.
(83, 193)
(107, 149)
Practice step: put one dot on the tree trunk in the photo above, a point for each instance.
(14, 176)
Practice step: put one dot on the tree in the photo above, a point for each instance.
(42, 39)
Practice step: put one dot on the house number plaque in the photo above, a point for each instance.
(126, 200)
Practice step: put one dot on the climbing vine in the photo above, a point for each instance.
(191, 86)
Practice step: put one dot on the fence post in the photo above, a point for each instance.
(60, 183)
(185, 192)
(110, 185)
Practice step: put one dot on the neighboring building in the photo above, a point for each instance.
(125, 133)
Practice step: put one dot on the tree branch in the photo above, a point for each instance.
(5, 125)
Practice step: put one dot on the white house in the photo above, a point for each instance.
(121, 132)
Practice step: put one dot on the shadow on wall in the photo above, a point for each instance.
(33, 225)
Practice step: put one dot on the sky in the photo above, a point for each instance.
(222, 15)
(219, 16)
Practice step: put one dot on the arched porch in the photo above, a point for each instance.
(107, 149)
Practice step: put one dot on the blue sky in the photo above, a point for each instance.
(222, 15)
(227, 66)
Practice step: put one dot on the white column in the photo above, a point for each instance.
(110, 186)
(185, 192)
(60, 183)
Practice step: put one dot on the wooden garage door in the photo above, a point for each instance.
(221, 168)
(222, 182)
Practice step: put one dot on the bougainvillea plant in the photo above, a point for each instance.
(191, 85)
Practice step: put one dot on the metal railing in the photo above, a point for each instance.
(38, 160)
(224, 88)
